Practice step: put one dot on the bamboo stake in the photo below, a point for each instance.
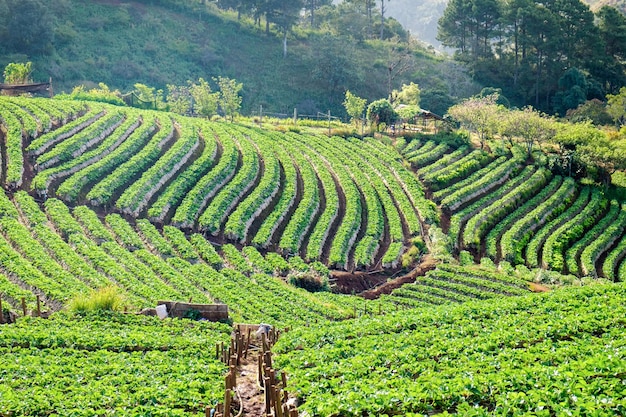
(1, 311)
(38, 306)
(268, 410)
(260, 368)
(227, 403)
(24, 306)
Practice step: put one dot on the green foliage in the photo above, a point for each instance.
(18, 73)
(409, 95)
(102, 95)
(148, 97)
(354, 106)
(309, 280)
(380, 112)
(230, 100)
(205, 102)
(616, 106)
(593, 111)
(103, 299)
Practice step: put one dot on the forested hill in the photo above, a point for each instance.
(161, 42)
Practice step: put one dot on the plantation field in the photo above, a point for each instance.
(347, 203)
(560, 353)
(164, 207)
(508, 209)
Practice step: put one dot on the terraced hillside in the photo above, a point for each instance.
(510, 209)
(347, 203)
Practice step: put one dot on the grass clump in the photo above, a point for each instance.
(102, 299)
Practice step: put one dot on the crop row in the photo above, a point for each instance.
(210, 184)
(246, 212)
(553, 255)
(228, 197)
(535, 245)
(489, 216)
(136, 197)
(542, 208)
(174, 193)
(101, 165)
(128, 164)
(457, 170)
(42, 180)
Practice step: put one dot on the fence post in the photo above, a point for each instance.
(1, 311)
(328, 122)
(24, 306)
(38, 306)
(260, 115)
(295, 116)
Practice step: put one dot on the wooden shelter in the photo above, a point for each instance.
(16, 89)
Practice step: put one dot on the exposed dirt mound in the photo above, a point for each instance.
(371, 285)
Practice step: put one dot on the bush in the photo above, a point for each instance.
(310, 281)
(103, 299)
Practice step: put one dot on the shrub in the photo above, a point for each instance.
(310, 281)
(103, 299)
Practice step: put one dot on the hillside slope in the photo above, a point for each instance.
(157, 43)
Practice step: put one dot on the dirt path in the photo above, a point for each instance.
(248, 389)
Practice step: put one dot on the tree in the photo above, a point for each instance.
(573, 87)
(532, 127)
(18, 73)
(29, 27)
(149, 97)
(178, 99)
(205, 102)
(381, 112)
(616, 106)
(409, 95)
(354, 106)
(478, 114)
(230, 100)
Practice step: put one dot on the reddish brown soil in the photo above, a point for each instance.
(373, 285)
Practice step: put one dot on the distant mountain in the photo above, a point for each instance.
(419, 17)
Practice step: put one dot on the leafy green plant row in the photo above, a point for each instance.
(553, 254)
(350, 224)
(210, 184)
(240, 220)
(516, 238)
(44, 142)
(127, 164)
(486, 287)
(614, 259)
(70, 189)
(39, 226)
(572, 256)
(77, 144)
(184, 181)
(302, 219)
(228, 197)
(136, 197)
(535, 245)
(387, 166)
(41, 181)
(288, 196)
(460, 218)
(480, 183)
(510, 356)
(13, 142)
(412, 146)
(488, 217)
(124, 232)
(32, 126)
(430, 152)
(457, 170)
(442, 162)
(485, 275)
(608, 236)
(73, 368)
(181, 245)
